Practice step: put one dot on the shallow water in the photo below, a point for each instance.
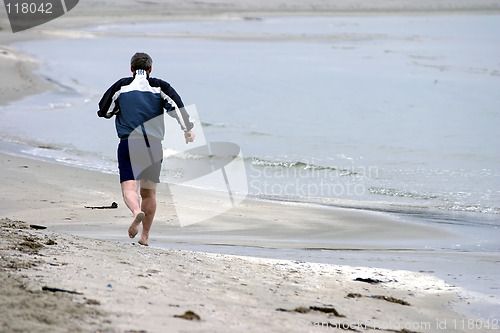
(377, 111)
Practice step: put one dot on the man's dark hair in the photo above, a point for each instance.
(141, 61)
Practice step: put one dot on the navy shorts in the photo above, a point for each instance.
(140, 159)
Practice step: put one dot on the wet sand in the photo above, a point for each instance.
(122, 286)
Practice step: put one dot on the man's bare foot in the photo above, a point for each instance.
(142, 242)
(134, 227)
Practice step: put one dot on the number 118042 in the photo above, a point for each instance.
(29, 8)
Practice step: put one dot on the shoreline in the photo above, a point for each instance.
(55, 195)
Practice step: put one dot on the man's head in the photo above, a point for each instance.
(141, 61)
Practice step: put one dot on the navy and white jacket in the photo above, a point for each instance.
(139, 100)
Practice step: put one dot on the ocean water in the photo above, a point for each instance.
(392, 114)
(387, 113)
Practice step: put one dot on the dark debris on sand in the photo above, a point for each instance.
(381, 297)
(368, 280)
(324, 309)
(189, 315)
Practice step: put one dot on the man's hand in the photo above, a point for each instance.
(189, 136)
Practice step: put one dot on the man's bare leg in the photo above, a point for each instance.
(148, 206)
(131, 199)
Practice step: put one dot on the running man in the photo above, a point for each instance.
(138, 104)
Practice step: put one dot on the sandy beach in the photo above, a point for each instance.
(59, 282)
(82, 273)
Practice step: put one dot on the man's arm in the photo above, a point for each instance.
(175, 107)
(108, 105)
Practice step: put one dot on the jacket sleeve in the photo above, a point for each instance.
(108, 106)
(175, 106)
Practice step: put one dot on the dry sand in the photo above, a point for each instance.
(122, 287)
(18, 79)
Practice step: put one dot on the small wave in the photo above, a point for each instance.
(443, 203)
(239, 127)
(169, 153)
(471, 208)
(301, 165)
(205, 124)
(401, 193)
(256, 133)
(59, 105)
